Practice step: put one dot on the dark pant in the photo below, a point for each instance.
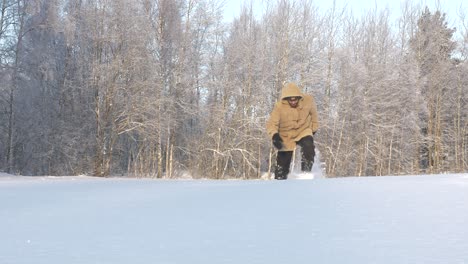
(283, 159)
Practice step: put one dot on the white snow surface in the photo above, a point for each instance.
(395, 220)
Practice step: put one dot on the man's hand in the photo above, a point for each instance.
(277, 141)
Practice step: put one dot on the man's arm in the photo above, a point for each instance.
(314, 123)
(272, 124)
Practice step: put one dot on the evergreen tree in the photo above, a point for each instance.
(432, 46)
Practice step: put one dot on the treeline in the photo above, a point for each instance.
(160, 88)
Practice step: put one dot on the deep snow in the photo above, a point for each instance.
(410, 219)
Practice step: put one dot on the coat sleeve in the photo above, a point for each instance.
(272, 124)
(314, 123)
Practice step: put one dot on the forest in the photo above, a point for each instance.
(164, 88)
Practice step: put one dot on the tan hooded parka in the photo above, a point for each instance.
(293, 123)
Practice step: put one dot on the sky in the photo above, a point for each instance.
(450, 7)
(385, 220)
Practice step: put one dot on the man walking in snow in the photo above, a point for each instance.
(294, 120)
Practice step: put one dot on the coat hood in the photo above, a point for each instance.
(291, 90)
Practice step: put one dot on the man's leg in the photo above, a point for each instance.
(283, 162)
(308, 153)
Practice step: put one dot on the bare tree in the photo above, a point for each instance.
(16, 11)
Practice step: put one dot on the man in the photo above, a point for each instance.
(294, 120)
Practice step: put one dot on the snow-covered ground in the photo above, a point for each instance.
(395, 220)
